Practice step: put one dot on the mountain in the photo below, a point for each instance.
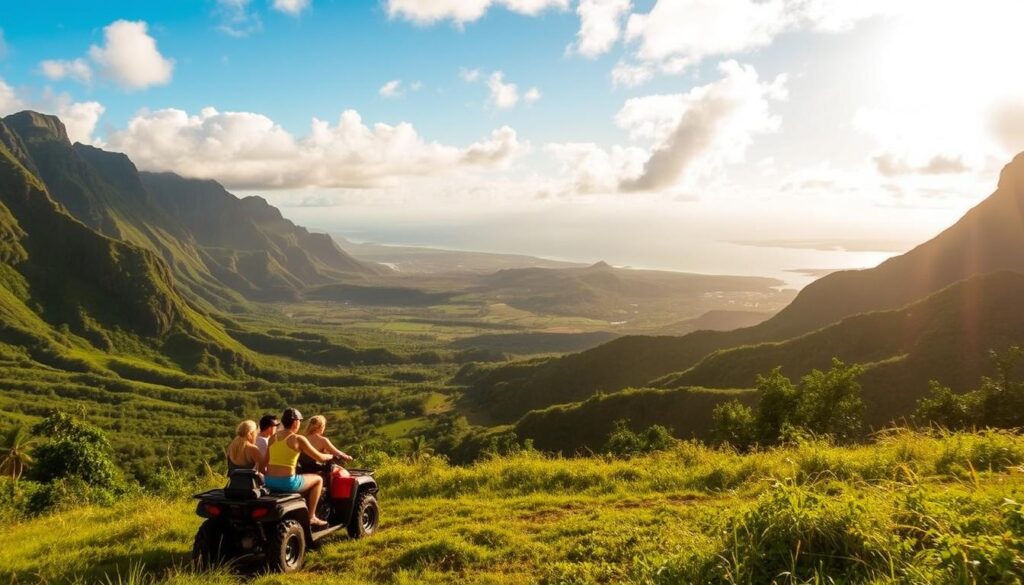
(75, 299)
(221, 248)
(946, 336)
(990, 237)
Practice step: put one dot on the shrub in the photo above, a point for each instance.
(734, 424)
(625, 442)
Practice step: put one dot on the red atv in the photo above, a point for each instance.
(246, 523)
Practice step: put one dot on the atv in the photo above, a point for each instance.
(246, 523)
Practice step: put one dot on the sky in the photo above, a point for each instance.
(717, 136)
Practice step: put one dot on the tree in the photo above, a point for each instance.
(734, 423)
(623, 441)
(418, 449)
(72, 449)
(946, 408)
(830, 402)
(777, 404)
(15, 454)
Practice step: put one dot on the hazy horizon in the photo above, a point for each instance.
(648, 133)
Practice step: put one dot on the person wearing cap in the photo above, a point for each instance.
(268, 426)
(283, 449)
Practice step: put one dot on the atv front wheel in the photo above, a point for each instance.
(210, 548)
(366, 517)
(287, 550)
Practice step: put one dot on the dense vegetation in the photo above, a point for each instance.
(909, 508)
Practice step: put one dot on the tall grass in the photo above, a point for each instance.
(909, 508)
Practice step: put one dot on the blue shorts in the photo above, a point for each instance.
(291, 483)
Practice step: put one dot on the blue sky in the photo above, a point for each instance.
(701, 121)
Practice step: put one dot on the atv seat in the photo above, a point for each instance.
(245, 484)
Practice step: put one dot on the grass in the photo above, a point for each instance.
(910, 508)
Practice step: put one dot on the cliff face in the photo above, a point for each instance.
(60, 273)
(221, 249)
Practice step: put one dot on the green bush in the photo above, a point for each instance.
(623, 441)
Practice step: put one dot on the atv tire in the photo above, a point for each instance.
(365, 517)
(287, 549)
(210, 548)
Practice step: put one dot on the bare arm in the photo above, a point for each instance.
(306, 447)
(253, 454)
(330, 448)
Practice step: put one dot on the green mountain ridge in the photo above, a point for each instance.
(69, 294)
(945, 337)
(990, 237)
(222, 249)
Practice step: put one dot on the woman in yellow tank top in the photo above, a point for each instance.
(283, 451)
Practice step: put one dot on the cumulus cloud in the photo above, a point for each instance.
(245, 150)
(391, 89)
(129, 56)
(691, 135)
(463, 11)
(600, 25)
(292, 7)
(690, 30)
(78, 69)
(626, 74)
(80, 118)
(505, 96)
(9, 101)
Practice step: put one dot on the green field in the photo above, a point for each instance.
(909, 508)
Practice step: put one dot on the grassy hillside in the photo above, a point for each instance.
(909, 509)
(583, 426)
(988, 238)
(945, 337)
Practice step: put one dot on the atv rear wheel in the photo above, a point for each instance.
(365, 518)
(210, 548)
(287, 551)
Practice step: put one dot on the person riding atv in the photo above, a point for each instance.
(246, 521)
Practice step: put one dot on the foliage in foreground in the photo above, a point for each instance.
(910, 508)
(823, 403)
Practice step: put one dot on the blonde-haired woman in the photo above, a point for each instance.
(315, 434)
(242, 452)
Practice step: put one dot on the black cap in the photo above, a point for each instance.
(268, 421)
(289, 416)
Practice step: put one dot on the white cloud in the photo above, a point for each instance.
(9, 101)
(531, 95)
(78, 69)
(693, 29)
(600, 25)
(469, 75)
(80, 118)
(237, 20)
(592, 169)
(503, 95)
(631, 75)
(130, 57)
(292, 7)
(692, 135)
(248, 150)
(391, 89)
(716, 125)
(463, 11)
